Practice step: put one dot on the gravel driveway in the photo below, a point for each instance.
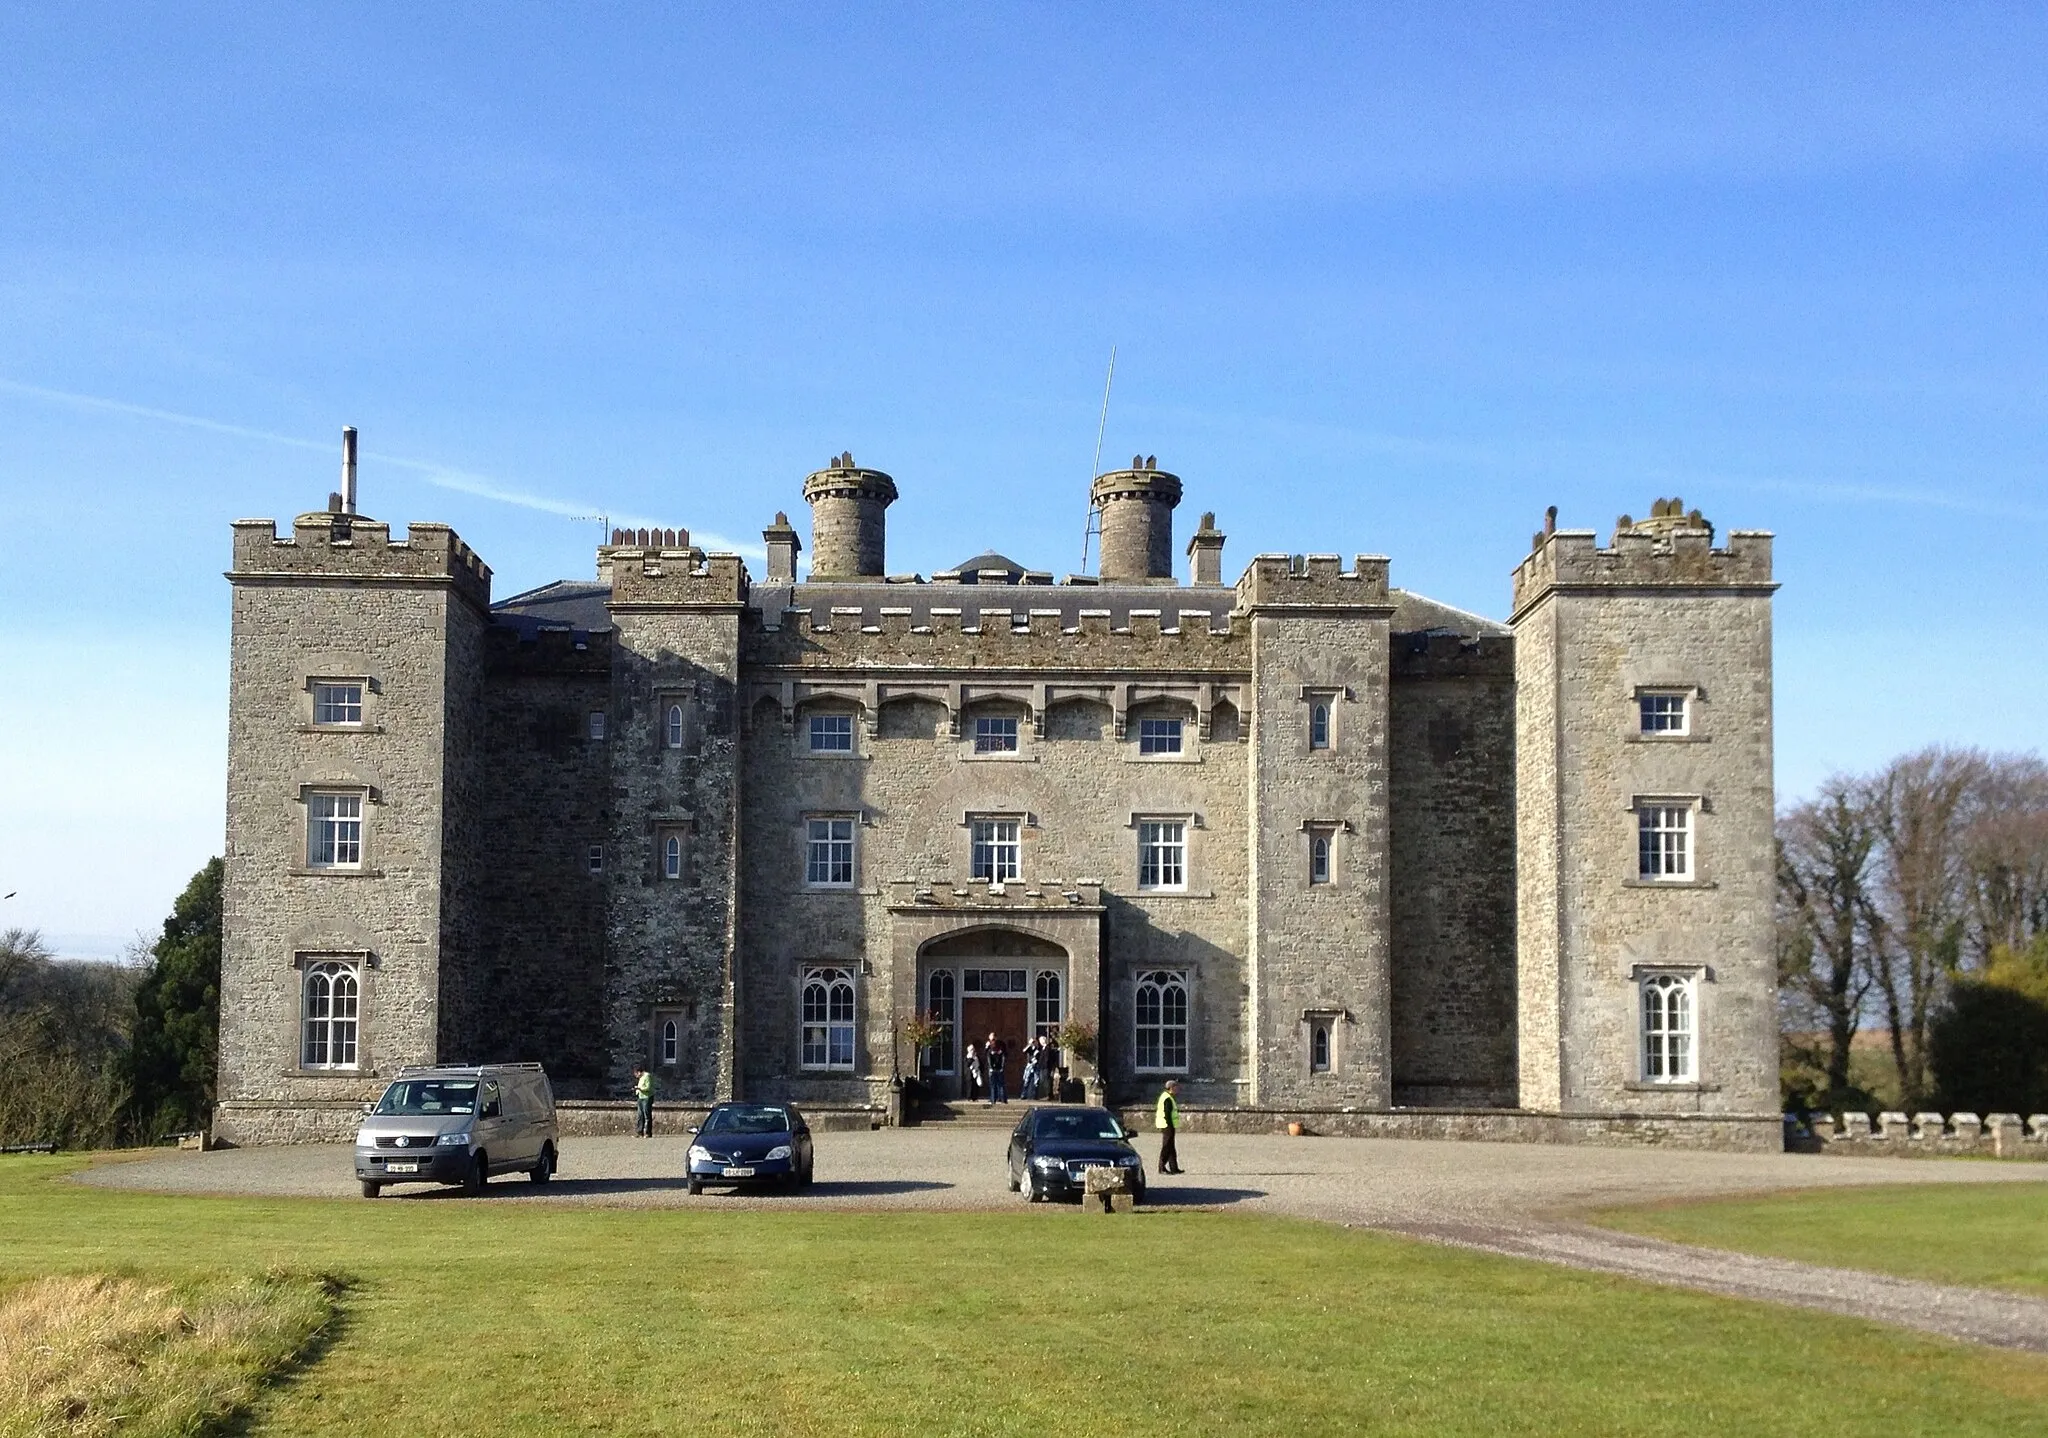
(1513, 1199)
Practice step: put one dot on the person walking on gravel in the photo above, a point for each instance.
(1166, 1118)
(643, 1102)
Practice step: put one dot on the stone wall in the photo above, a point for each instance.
(1750, 1133)
(1451, 762)
(1924, 1135)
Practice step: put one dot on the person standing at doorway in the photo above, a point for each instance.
(1166, 1118)
(971, 1074)
(643, 1102)
(998, 1063)
(1030, 1071)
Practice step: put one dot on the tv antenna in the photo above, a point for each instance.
(1093, 531)
(603, 522)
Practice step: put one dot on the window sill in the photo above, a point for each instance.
(307, 871)
(341, 728)
(1648, 1086)
(1668, 739)
(1669, 884)
(1162, 758)
(999, 758)
(1179, 893)
(831, 889)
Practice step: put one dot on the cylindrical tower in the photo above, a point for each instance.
(847, 525)
(1137, 520)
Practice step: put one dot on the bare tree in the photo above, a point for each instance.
(2005, 857)
(1826, 849)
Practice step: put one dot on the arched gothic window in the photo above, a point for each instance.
(671, 1041)
(1319, 1048)
(828, 1019)
(1162, 1022)
(672, 857)
(673, 729)
(1668, 1034)
(1045, 1004)
(329, 1010)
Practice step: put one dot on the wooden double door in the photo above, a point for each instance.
(1008, 1017)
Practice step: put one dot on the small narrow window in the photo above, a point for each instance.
(1319, 1047)
(338, 704)
(1669, 1050)
(1319, 857)
(1162, 854)
(671, 1042)
(831, 733)
(995, 856)
(1664, 842)
(596, 858)
(1319, 724)
(597, 724)
(828, 853)
(1663, 714)
(939, 1004)
(995, 735)
(1159, 736)
(672, 857)
(673, 727)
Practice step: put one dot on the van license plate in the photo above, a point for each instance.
(739, 1173)
(401, 1168)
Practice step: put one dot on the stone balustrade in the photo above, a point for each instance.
(1921, 1135)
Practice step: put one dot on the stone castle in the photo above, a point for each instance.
(1321, 848)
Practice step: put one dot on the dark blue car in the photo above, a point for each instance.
(1052, 1149)
(742, 1143)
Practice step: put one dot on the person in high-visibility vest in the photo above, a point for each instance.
(1166, 1118)
(643, 1103)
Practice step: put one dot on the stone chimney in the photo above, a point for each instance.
(782, 547)
(847, 524)
(1205, 553)
(1137, 521)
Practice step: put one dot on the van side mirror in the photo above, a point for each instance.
(369, 1108)
(693, 1128)
(491, 1109)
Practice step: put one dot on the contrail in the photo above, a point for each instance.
(439, 475)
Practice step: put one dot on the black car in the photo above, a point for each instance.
(1051, 1149)
(741, 1143)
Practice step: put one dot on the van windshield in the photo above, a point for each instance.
(425, 1098)
(747, 1118)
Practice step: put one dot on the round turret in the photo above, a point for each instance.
(1137, 520)
(847, 524)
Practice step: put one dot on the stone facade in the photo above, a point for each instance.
(1313, 844)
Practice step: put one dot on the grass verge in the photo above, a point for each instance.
(1986, 1235)
(91, 1354)
(489, 1317)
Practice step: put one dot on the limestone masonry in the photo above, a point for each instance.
(1318, 847)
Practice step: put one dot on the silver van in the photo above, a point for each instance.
(459, 1123)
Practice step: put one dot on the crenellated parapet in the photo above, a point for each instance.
(680, 578)
(1313, 583)
(1642, 557)
(327, 547)
(942, 637)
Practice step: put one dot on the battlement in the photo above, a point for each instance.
(944, 637)
(329, 547)
(1310, 582)
(1643, 558)
(684, 577)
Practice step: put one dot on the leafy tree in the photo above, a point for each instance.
(1989, 1044)
(177, 1015)
(63, 1038)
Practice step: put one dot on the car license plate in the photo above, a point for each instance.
(401, 1168)
(739, 1173)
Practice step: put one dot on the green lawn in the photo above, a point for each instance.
(1990, 1235)
(491, 1317)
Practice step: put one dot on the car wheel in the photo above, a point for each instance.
(1010, 1177)
(545, 1169)
(695, 1188)
(372, 1190)
(478, 1176)
(810, 1169)
(1029, 1190)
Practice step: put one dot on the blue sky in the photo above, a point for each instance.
(1380, 278)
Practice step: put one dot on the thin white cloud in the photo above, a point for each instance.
(441, 476)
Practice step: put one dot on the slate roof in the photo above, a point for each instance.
(580, 605)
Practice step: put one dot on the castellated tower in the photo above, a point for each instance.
(1318, 925)
(1137, 521)
(673, 887)
(1644, 809)
(848, 507)
(354, 786)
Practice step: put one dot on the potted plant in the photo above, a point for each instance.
(1078, 1038)
(922, 1030)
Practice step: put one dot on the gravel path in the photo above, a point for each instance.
(1513, 1199)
